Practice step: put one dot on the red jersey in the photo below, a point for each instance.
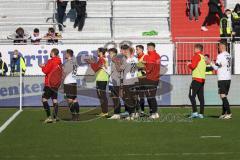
(98, 65)
(140, 56)
(152, 65)
(195, 60)
(49, 68)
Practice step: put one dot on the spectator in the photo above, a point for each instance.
(215, 7)
(209, 70)
(226, 26)
(52, 37)
(194, 6)
(236, 22)
(20, 37)
(80, 7)
(17, 64)
(35, 37)
(3, 67)
(61, 9)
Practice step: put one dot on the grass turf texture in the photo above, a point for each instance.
(5, 114)
(28, 138)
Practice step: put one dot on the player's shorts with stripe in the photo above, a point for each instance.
(70, 90)
(50, 93)
(224, 86)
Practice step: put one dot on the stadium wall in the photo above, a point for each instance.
(173, 90)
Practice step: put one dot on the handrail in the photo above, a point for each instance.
(26, 24)
(204, 37)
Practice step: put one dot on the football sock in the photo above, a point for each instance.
(47, 108)
(71, 107)
(76, 107)
(223, 108)
(55, 112)
(226, 105)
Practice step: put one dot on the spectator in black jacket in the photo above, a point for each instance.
(3, 67)
(215, 7)
(80, 7)
(61, 9)
(236, 22)
(193, 6)
(20, 37)
(226, 26)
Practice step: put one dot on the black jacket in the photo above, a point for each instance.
(213, 6)
(236, 24)
(64, 3)
(4, 67)
(224, 27)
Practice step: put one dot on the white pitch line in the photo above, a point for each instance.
(9, 121)
(120, 155)
(211, 137)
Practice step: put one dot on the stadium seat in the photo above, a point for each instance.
(106, 20)
(132, 18)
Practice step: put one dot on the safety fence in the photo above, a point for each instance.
(184, 50)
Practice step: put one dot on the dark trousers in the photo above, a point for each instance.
(129, 98)
(212, 15)
(81, 15)
(237, 30)
(194, 11)
(61, 9)
(101, 92)
(150, 92)
(197, 89)
(141, 95)
(115, 91)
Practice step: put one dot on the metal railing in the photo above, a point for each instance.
(184, 50)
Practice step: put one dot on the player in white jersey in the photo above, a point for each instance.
(70, 84)
(224, 71)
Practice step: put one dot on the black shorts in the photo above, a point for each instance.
(70, 90)
(50, 93)
(224, 86)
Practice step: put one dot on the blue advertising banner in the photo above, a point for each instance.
(33, 88)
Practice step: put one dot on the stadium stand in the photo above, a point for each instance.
(131, 18)
(186, 33)
(28, 14)
(106, 20)
(230, 4)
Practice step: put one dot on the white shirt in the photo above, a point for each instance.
(70, 69)
(70, 78)
(133, 61)
(223, 66)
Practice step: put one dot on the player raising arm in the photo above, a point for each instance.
(100, 68)
(198, 67)
(223, 67)
(53, 75)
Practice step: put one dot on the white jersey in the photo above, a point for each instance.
(223, 66)
(133, 72)
(70, 71)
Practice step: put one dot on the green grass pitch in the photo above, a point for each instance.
(27, 138)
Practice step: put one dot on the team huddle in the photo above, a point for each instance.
(132, 78)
